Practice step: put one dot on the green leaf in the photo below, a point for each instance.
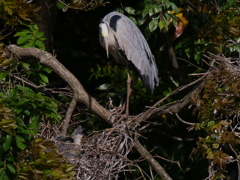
(142, 21)
(151, 11)
(25, 131)
(35, 123)
(47, 69)
(40, 44)
(44, 78)
(34, 105)
(3, 75)
(39, 34)
(146, 11)
(33, 27)
(11, 168)
(7, 142)
(133, 19)
(161, 25)
(174, 7)
(25, 66)
(157, 8)
(153, 25)
(130, 10)
(30, 43)
(3, 175)
(53, 115)
(167, 16)
(23, 100)
(27, 112)
(188, 52)
(26, 89)
(24, 32)
(12, 93)
(39, 97)
(24, 39)
(167, 4)
(19, 141)
(175, 22)
(60, 5)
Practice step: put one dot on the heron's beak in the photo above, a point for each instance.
(106, 45)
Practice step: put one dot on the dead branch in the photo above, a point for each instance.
(167, 109)
(149, 158)
(68, 115)
(185, 122)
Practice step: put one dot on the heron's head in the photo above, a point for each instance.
(103, 35)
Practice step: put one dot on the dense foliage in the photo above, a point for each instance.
(30, 94)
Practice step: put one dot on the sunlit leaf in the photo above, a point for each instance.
(24, 32)
(44, 78)
(40, 44)
(153, 25)
(20, 142)
(174, 7)
(130, 10)
(145, 11)
(30, 43)
(24, 39)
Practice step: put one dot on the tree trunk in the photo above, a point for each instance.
(48, 14)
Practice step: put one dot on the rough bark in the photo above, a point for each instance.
(48, 14)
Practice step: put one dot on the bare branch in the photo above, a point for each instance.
(68, 116)
(149, 158)
(171, 109)
(236, 156)
(174, 162)
(185, 122)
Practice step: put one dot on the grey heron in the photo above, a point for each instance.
(120, 37)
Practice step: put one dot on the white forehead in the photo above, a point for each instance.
(104, 29)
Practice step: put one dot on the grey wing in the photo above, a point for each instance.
(136, 49)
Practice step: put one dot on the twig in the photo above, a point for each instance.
(166, 109)
(238, 163)
(191, 63)
(180, 89)
(185, 122)
(26, 82)
(174, 162)
(177, 138)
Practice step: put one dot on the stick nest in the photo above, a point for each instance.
(103, 155)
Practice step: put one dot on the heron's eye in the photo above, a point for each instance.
(103, 29)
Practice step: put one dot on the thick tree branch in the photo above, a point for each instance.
(68, 115)
(48, 60)
(149, 158)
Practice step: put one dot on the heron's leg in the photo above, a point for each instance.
(129, 91)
